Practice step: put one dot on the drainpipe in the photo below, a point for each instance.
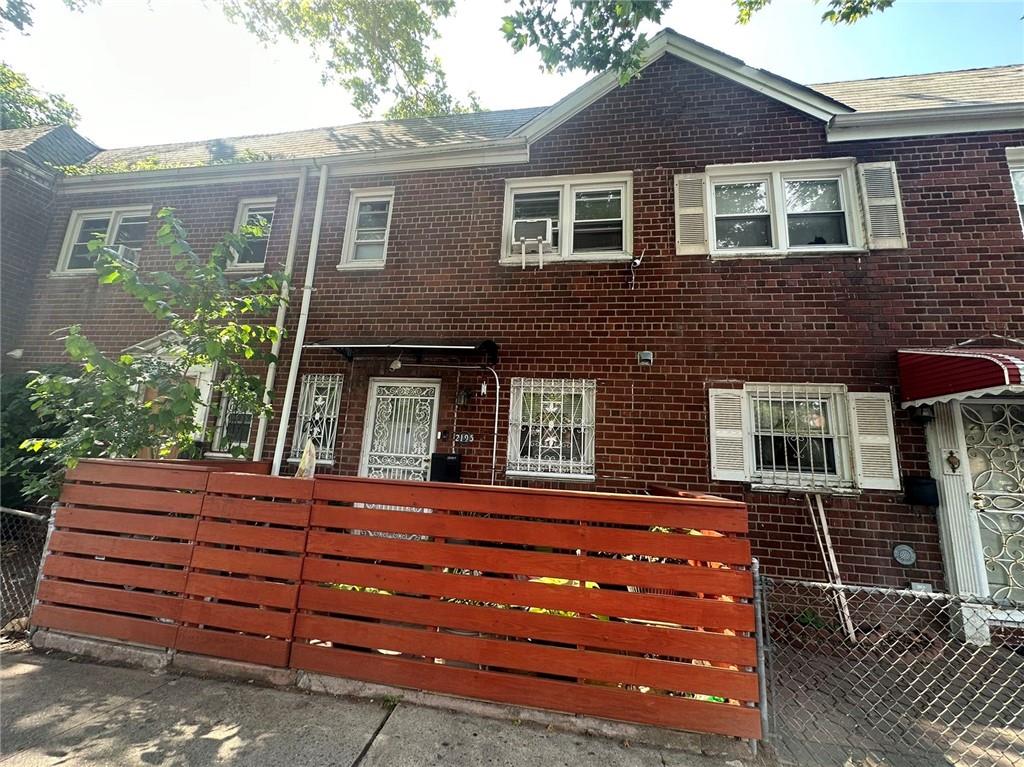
(300, 333)
(282, 309)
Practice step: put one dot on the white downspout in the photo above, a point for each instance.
(282, 310)
(300, 333)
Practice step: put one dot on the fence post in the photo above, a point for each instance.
(759, 634)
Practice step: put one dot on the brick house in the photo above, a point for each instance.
(810, 298)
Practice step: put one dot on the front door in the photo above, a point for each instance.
(993, 435)
(400, 429)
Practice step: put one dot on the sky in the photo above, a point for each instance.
(161, 71)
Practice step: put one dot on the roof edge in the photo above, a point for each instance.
(974, 118)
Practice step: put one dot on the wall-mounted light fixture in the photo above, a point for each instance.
(922, 415)
(645, 359)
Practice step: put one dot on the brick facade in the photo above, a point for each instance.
(825, 318)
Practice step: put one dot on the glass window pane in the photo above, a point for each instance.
(538, 205)
(255, 253)
(373, 214)
(1018, 185)
(753, 232)
(741, 199)
(131, 231)
(817, 229)
(370, 235)
(593, 236)
(603, 204)
(812, 196)
(80, 257)
(368, 251)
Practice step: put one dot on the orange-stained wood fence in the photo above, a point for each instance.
(635, 608)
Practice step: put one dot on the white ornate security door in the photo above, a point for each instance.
(993, 436)
(400, 429)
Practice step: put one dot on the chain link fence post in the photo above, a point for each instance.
(23, 538)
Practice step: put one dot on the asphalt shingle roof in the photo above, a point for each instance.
(994, 85)
(48, 144)
(346, 139)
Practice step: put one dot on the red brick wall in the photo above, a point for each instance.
(822, 318)
(26, 204)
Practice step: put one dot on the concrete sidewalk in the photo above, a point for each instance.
(55, 710)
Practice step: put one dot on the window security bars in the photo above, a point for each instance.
(317, 419)
(233, 428)
(801, 436)
(551, 428)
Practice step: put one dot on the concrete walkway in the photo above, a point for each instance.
(59, 711)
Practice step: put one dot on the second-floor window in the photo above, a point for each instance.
(586, 218)
(254, 221)
(1015, 158)
(120, 227)
(367, 229)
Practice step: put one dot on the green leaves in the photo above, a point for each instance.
(23, 105)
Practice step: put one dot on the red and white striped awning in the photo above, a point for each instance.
(940, 375)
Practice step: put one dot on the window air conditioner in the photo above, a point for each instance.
(131, 255)
(531, 232)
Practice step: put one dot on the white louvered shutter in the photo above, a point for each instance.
(728, 455)
(874, 442)
(691, 218)
(883, 210)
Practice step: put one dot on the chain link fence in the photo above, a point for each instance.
(865, 677)
(22, 539)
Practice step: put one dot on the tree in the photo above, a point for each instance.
(379, 49)
(22, 106)
(120, 406)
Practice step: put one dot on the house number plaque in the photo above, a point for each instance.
(463, 436)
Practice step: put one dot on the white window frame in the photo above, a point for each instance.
(241, 216)
(777, 173)
(1015, 161)
(357, 196)
(219, 432)
(583, 470)
(74, 224)
(325, 453)
(568, 186)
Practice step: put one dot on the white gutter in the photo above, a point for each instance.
(863, 126)
(300, 333)
(282, 310)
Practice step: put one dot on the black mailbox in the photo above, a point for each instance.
(921, 491)
(446, 467)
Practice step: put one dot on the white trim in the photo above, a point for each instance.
(863, 126)
(241, 214)
(776, 174)
(1015, 155)
(962, 395)
(356, 198)
(667, 41)
(567, 186)
(371, 403)
(78, 216)
(1015, 163)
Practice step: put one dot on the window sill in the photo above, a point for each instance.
(245, 268)
(319, 461)
(552, 477)
(759, 487)
(224, 456)
(65, 274)
(777, 255)
(589, 258)
(356, 266)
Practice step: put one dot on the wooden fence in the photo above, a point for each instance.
(636, 608)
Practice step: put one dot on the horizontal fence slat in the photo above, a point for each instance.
(157, 525)
(251, 536)
(279, 566)
(114, 599)
(611, 703)
(728, 550)
(114, 547)
(252, 620)
(138, 476)
(108, 497)
(583, 630)
(706, 613)
(569, 566)
(253, 510)
(720, 515)
(538, 658)
(90, 623)
(248, 649)
(252, 486)
(254, 592)
(118, 573)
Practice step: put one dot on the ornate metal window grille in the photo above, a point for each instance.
(317, 419)
(994, 434)
(233, 428)
(800, 436)
(551, 428)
